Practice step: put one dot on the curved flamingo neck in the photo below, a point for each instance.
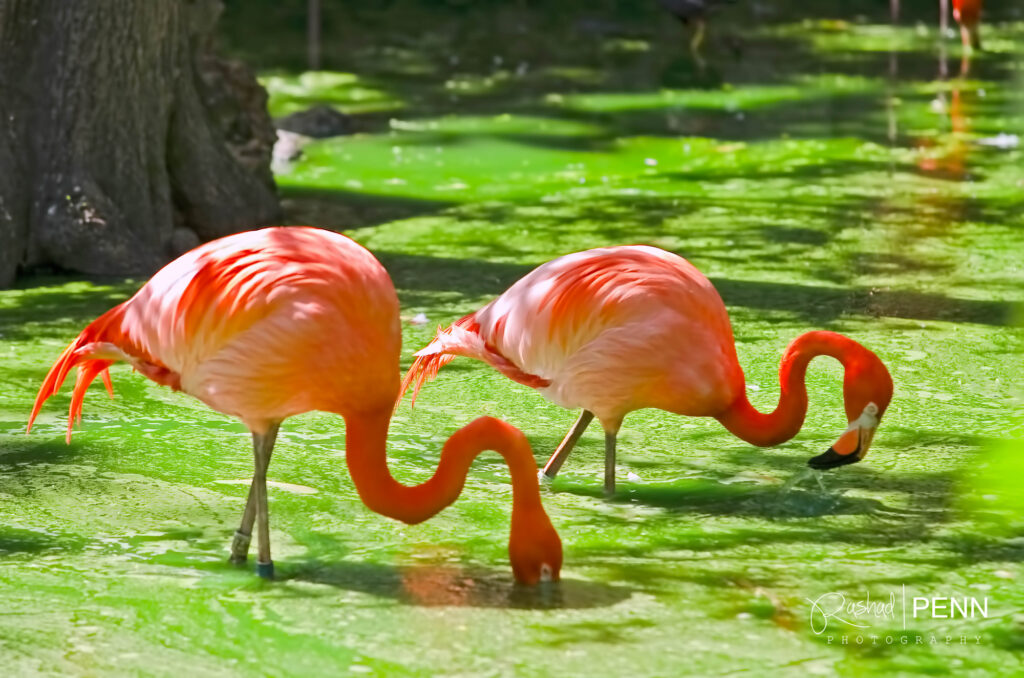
(784, 422)
(366, 456)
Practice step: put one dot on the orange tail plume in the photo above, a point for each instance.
(422, 370)
(459, 338)
(91, 353)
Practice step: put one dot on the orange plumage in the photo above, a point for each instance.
(618, 329)
(279, 299)
(968, 14)
(272, 323)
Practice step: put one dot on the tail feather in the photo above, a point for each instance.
(460, 338)
(87, 372)
(422, 370)
(90, 352)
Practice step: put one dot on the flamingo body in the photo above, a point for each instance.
(268, 324)
(617, 329)
(314, 310)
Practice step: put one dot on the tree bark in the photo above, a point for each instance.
(124, 140)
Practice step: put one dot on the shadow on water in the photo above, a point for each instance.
(569, 635)
(38, 300)
(703, 497)
(928, 494)
(345, 209)
(17, 541)
(25, 454)
(419, 273)
(977, 548)
(453, 586)
(1009, 638)
(465, 276)
(812, 302)
(831, 303)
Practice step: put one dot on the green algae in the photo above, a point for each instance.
(816, 191)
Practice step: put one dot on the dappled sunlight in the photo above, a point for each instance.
(730, 99)
(346, 91)
(817, 169)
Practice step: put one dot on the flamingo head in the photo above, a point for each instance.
(534, 548)
(867, 390)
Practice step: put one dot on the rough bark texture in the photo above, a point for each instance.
(124, 140)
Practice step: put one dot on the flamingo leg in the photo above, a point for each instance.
(262, 448)
(609, 463)
(256, 505)
(970, 36)
(565, 447)
(243, 535)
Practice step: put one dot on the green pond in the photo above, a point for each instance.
(820, 171)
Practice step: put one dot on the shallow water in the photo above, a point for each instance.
(823, 178)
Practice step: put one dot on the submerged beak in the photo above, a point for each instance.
(853, 445)
(546, 573)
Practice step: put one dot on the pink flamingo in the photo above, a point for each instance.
(968, 15)
(268, 324)
(624, 328)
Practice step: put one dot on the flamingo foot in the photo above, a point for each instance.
(240, 547)
(265, 570)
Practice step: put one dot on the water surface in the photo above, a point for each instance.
(819, 171)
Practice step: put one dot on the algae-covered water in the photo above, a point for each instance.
(821, 172)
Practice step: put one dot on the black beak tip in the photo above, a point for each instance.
(831, 459)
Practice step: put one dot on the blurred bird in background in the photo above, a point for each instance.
(968, 15)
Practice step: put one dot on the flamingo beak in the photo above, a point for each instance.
(853, 445)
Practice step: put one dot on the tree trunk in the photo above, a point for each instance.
(124, 140)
